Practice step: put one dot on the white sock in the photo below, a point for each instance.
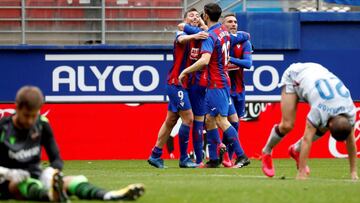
(273, 140)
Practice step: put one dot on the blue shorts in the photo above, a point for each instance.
(218, 101)
(178, 98)
(197, 99)
(238, 104)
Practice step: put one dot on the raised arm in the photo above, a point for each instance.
(198, 36)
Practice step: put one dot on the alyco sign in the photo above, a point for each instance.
(137, 78)
(106, 78)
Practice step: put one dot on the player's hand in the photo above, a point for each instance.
(17, 175)
(354, 176)
(181, 26)
(181, 77)
(201, 35)
(203, 25)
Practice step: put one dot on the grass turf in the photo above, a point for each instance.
(329, 181)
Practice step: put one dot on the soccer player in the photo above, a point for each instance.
(21, 137)
(240, 58)
(179, 104)
(214, 55)
(331, 109)
(197, 89)
(196, 86)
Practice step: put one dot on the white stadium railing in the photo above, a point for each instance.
(120, 21)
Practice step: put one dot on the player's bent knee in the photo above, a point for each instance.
(187, 117)
(286, 127)
(188, 121)
(210, 123)
(170, 123)
(73, 181)
(23, 186)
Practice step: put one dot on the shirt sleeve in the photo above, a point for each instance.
(51, 148)
(240, 37)
(190, 30)
(207, 46)
(246, 61)
(178, 34)
(314, 117)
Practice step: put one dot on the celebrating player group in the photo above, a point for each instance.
(206, 90)
(205, 86)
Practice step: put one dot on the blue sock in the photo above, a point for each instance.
(213, 140)
(184, 132)
(197, 136)
(235, 125)
(156, 152)
(230, 148)
(232, 138)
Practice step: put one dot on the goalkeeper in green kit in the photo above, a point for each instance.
(22, 135)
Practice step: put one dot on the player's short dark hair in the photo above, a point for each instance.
(340, 127)
(190, 10)
(213, 11)
(29, 97)
(230, 14)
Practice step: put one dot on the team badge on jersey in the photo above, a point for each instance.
(194, 53)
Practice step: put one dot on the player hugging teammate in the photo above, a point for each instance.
(200, 74)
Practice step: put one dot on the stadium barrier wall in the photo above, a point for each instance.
(86, 87)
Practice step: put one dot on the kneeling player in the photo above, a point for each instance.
(21, 137)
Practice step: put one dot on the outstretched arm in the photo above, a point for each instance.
(189, 29)
(198, 36)
(309, 133)
(351, 149)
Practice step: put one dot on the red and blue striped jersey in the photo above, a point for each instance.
(240, 59)
(180, 62)
(198, 77)
(217, 44)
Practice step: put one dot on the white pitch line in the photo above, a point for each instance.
(241, 176)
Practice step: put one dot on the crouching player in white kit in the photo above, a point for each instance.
(331, 109)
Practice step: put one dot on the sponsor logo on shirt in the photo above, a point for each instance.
(194, 53)
(24, 153)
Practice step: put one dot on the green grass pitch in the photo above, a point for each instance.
(329, 182)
